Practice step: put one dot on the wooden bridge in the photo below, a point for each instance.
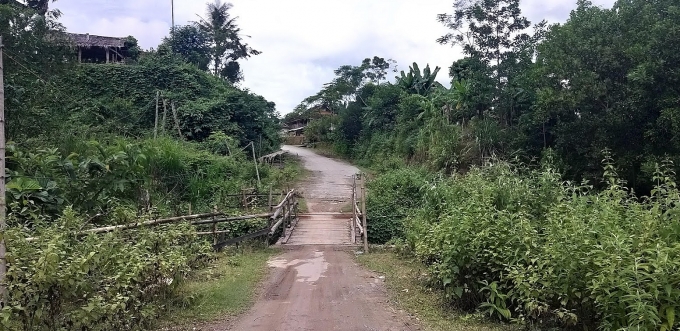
(337, 229)
(283, 222)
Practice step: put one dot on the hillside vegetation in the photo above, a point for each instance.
(86, 150)
(540, 187)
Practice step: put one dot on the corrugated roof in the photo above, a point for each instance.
(88, 40)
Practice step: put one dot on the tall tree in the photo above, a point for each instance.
(41, 6)
(227, 45)
(192, 44)
(486, 29)
(491, 33)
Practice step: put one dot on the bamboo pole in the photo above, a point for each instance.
(3, 203)
(257, 171)
(231, 219)
(165, 115)
(214, 227)
(363, 211)
(170, 220)
(155, 127)
(269, 204)
(150, 223)
(212, 233)
(174, 114)
(353, 230)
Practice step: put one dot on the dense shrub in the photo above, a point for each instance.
(116, 281)
(390, 199)
(161, 176)
(522, 245)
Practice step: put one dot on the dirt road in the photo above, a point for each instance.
(329, 186)
(321, 287)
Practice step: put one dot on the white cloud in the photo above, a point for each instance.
(302, 41)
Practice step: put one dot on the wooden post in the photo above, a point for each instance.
(363, 211)
(252, 145)
(270, 199)
(155, 126)
(214, 226)
(80, 55)
(165, 115)
(174, 114)
(3, 223)
(107, 54)
(352, 224)
(284, 210)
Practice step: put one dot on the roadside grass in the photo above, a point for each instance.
(404, 279)
(223, 290)
(302, 205)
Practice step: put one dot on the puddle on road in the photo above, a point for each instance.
(308, 270)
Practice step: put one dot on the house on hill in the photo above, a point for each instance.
(295, 128)
(100, 49)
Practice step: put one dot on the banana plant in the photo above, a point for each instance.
(419, 83)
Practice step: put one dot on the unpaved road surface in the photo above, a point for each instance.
(329, 186)
(321, 287)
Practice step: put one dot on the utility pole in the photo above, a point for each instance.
(3, 203)
(172, 5)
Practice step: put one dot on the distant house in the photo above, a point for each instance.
(295, 128)
(99, 49)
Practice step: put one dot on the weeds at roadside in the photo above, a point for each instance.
(406, 284)
(222, 291)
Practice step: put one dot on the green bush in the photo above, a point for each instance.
(162, 176)
(115, 281)
(521, 245)
(391, 197)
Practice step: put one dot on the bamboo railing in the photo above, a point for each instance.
(280, 215)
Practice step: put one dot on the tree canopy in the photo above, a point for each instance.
(604, 79)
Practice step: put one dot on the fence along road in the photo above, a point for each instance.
(320, 287)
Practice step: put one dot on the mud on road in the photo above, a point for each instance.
(322, 288)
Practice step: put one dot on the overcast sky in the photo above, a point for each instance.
(302, 41)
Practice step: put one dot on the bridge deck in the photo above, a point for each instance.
(321, 229)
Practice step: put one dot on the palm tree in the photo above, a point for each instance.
(227, 47)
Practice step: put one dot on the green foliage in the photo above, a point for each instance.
(521, 245)
(205, 104)
(99, 282)
(390, 199)
(224, 40)
(191, 43)
(416, 82)
(80, 160)
(105, 178)
(63, 280)
(604, 79)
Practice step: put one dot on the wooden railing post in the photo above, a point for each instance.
(270, 199)
(363, 211)
(214, 225)
(284, 216)
(353, 230)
